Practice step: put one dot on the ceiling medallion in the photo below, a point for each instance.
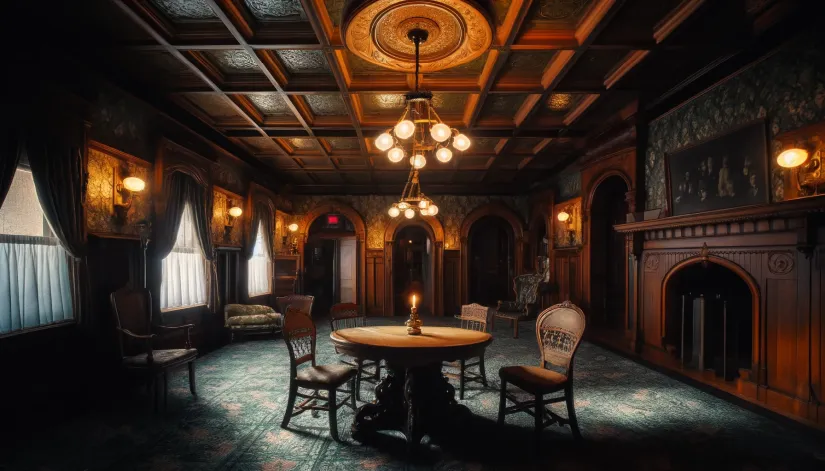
(377, 31)
(418, 133)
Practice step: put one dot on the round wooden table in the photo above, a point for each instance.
(414, 397)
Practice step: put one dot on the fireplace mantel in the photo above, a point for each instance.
(786, 209)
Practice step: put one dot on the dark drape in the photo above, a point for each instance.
(252, 233)
(60, 181)
(182, 189)
(10, 158)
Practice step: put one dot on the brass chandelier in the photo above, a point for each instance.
(419, 133)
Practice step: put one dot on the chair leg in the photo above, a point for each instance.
(482, 370)
(290, 404)
(515, 329)
(571, 412)
(461, 380)
(539, 416)
(352, 396)
(357, 390)
(502, 402)
(492, 322)
(193, 385)
(333, 416)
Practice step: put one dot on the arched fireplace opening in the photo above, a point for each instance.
(709, 319)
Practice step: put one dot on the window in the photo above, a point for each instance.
(35, 288)
(183, 280)
(259, 266)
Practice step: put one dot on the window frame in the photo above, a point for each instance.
(164, 310)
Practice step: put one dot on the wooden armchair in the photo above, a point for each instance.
(300, 335)
(473, 317)
(559, 331)
(301, 302)
(526, 288)
(344, 316)
(132, 309)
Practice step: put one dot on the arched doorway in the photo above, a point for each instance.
(608, 269)
(516, 226)
(330, 268)
(399, 234)
(412, 270)
(709, 315)
(345, 235)
(491, 261)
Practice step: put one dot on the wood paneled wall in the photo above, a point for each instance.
(375, 282)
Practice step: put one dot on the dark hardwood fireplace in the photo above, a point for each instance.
(709, 320)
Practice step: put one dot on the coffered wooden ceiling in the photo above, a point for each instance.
(274, 77)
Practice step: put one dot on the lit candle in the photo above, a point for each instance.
(413, 301)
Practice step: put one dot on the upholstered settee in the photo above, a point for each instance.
(251, 318)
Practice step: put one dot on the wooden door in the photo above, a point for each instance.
(347, 268)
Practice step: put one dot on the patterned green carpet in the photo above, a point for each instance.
(631, 418)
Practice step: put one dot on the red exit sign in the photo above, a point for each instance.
(332, 219)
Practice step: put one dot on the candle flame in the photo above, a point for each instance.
(413, 301)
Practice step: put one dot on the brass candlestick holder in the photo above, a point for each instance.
(413, 323)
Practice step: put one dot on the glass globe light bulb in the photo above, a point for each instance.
(235, 211)
(461, 142)
(404, 129)
(418, 161)
(433, 210)
(134, 184)
(383, 142)
(792, 158)
(563, 216)
(440, 132)
(394, 212)
(403, 205)
(409, 213)
(396, 154)
(444, 154)
(423, 204)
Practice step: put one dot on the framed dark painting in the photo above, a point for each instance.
(725, 171)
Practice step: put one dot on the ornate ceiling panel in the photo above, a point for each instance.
(566, 12)
(449, 103)
(260, 145)
(268, 10)
(340, 143)
(326, 104)
(299, 61)
(502, 105)
(592, 67)
(485, 145)
(234, 61)
(360, 66)
(303, 144)
(472, 68)
(500, 9)
(215, 105)
(524, 146)
(334, 9)
(270, 104)
(192, 10)
(382, 103)
(530, 64)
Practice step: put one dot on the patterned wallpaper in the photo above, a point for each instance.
(280, 229)
(220, 208)
(100, 198)
(373, 208)
(568, 185)
(787, 88)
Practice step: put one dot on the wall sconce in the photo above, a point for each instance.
(565, 217)
(233, 213)
(122, 196)
(809, 176)
(294, 248)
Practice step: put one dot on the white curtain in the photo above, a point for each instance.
(183, 281)
(35, 288)
(259, 266)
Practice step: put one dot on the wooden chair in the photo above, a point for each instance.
(473, 317)
(559, 331)
(302, 302)
(299, 335)
(523, 308)
(344, 316)
(132, 309)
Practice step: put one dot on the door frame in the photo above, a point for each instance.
(435, 232)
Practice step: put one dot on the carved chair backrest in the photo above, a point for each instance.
(302, 302)
(132, 309)
(527, 287)
(474, 317)
(299, 334)
(559, 330)
(345, 316)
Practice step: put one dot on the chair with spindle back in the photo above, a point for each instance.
(473, 317)
(345, 316)
(132, 309)
(300, 301)
(559, 332)
(300, 335)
